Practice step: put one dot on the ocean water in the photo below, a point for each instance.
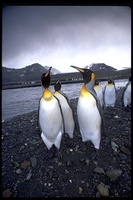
(24, 100)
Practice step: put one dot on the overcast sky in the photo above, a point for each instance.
(60, 36)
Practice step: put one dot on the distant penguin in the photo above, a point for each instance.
(66, 109)
(99, 92)
(89, 111)
(50, 119)
(126, 97)
(109, 94)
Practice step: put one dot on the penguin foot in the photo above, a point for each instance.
(69, 143)
(49, 155)
(127, 109)
(95, 155)
(58, 154)
(82, 146)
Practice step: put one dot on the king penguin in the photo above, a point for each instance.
(109, 94)
(99, 92)
(66, 109)
(50, 119)
(89, 111)
(126, 96)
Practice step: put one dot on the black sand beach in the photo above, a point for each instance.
(25, 174)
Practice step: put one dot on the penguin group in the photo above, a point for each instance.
(55, 114)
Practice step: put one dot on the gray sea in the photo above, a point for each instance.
(24, 100)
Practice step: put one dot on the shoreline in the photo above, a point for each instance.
(38, 84)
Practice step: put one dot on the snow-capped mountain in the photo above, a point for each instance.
(100, 67)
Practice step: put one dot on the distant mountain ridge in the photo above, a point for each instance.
(101, 67)
(32, 73)
(29, 73)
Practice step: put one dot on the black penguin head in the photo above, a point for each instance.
(57, 86)
(130, 78)
(45, 78)
(110, 80)
(87, 74)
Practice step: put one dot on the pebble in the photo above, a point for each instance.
(114, 174)
(28, 177)
(18, 171)
(87, 161)
(125, 150)
(7, 193)
(66, 171)
(99, 170)
(59, 163)
(80, 190)
(33, 162)
(114, 146)
(103, 189)
(25, 164)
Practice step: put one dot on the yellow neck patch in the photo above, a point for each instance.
(56, 92)
(47, 94)
(84, 92)
(110, 84)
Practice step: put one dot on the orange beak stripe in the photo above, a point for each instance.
(46, 74)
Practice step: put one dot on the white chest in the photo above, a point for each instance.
(89, 117)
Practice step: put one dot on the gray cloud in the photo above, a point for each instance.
(62, 34)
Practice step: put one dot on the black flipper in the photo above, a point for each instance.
(61, 113)
(58, 154)
(50, 154)
(38, 125)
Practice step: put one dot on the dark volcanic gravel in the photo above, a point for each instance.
(25, 174)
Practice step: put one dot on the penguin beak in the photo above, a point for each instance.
(78, 68)
(87, 74)
(48, 73)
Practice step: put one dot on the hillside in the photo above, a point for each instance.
(27, 74)
(101, 66)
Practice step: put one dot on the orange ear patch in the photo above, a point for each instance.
(92, 76)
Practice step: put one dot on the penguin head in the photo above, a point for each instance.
(130, 78)
(87, 74)
(110, 81)
(57, 85)
(45, 78)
